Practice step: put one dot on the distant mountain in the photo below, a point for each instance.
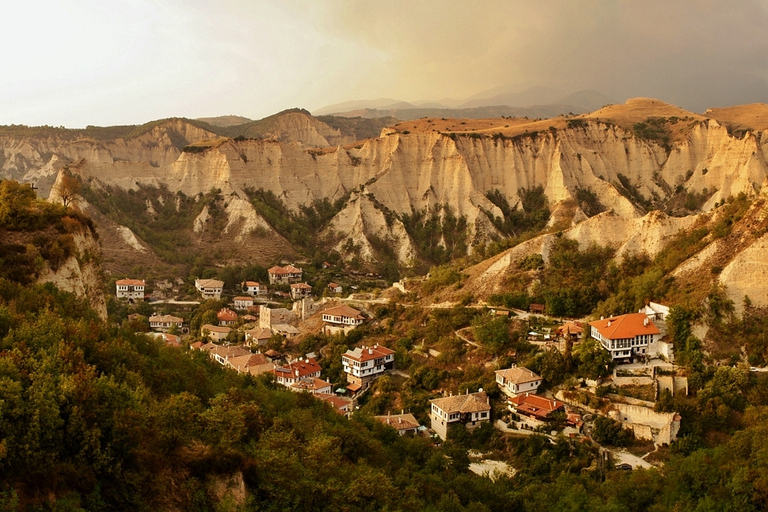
(224, 121)
(346, 106)
(537, 101)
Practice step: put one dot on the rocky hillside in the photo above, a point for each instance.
(623, 160)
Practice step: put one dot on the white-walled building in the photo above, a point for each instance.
(341, 318)
(626, 337)
(130, 289)
(514, 381)
(470, 409)
(215, 332)
(253, 288)
(165, 322)
(209, 288)
(364, 364)
(285, 275)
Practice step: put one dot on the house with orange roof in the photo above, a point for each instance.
(334, 288)
(253, 288)
(130, 289)
(341, 319)
(285, 275)
(257, 336)
(516, 380)
(535, 406)
(340, 404)
(226, 317)
(471, 410)
(365, 364)
(571, 329)
(252, 364)
(303, 367)
(627, 337)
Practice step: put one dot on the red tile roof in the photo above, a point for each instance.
(288, 269)
(367, 353)
(300, 368)
(518, 375)
(473, 402)
(399, 421)
(130, 282)
(625, 326)
(226, 315)
(535, 405)
(303, 286)
(345, 311)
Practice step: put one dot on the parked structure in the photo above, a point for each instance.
(470, 409)
(341, 319)
(300, 291)
(626, 337)
(403, 423)
(209, 288)
(285, 275)
(514, 381)
(130, 289)
(164, 323)
(365, 364)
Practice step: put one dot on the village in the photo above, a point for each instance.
(255, 335)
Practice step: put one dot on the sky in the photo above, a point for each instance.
(107, 62)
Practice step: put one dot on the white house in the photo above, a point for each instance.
(655, 311)
(334, 287)
(209, 288)
(285, 275)
(470, 409)
(165, 322)
(253, 288)
(215, 332)
(131, 289)
(626, 337)
(514, 381)
(364, 364)
(241, 303)
(341, 318)
(301, 368)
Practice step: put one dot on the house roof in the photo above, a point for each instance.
(226, 315)
(215, 328)
(166, 319)
(130, 282)
(344, 311)
(247, 360)
(311, 384)
(399, 421)
(536, 307)
(246, 298)
(302, 286)
(259, 333)
(300, 368)
(338, 402)
(172, 340)
(367, 353)
(209, 283)
(536, 405)
(473, 402)
(288, 269)
(333, 285)
(569, 328)
(250, 283)
(625, 326)
(518, 375)
(286, 329)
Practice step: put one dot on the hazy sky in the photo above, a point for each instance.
(105, 62)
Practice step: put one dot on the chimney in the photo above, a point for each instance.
(645, 321)
(609, 323)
